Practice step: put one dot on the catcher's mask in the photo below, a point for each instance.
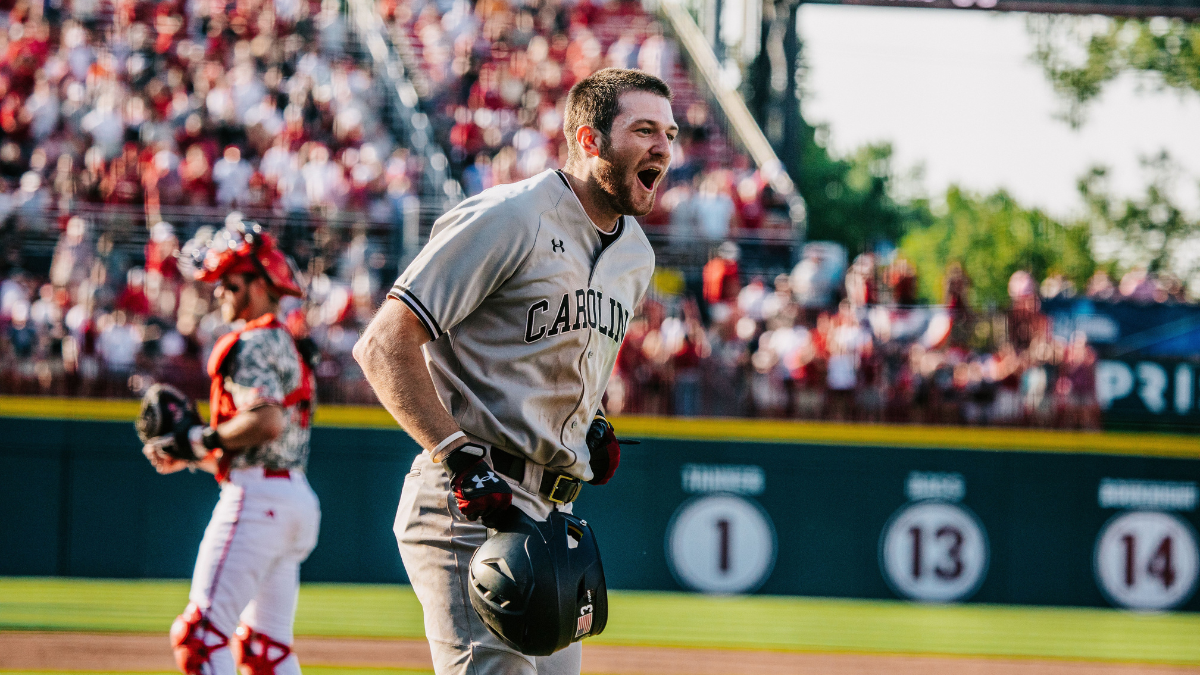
(242, 247)
(539, 586)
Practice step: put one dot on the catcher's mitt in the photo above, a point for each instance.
(166, 411)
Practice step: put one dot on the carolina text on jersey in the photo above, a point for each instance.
(589, 313)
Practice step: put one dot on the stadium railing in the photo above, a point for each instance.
(440, 191)
(732, 107)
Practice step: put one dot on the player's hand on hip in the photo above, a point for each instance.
(164, 463)
(480, 493)
(604, 448)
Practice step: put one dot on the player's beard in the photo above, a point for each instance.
(613, 176)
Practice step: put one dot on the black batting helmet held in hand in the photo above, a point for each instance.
(539, 586)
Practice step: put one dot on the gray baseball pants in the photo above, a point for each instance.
(436, 543)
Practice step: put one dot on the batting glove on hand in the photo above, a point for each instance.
(480, 493)
(604, 448)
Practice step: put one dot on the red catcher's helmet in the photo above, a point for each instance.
(244, 247)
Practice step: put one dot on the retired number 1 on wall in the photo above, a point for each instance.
(721, 543)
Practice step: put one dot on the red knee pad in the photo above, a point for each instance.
(256, 653)
(194, 639)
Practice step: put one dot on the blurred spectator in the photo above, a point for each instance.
(498, 75)
(1137, 285)
(1057, 286)
(721, 281)
(902, 279)
(1076, 386)
(714, 208)
(232, 175)
(861, 286)
(1025, 321)
(1100, 286)
(816, 276)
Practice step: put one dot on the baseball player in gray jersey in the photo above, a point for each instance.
(495, 346)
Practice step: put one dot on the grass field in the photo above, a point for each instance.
(659, 619)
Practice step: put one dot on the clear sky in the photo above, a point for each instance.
(956, 92)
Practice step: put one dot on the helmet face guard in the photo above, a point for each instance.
(244, 248)
(539, 586)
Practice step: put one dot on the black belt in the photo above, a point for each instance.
(557, 487)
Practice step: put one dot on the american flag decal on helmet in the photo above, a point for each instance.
(584, 624)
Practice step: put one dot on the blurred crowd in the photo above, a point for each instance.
(125, 127)
(103, 324)
(821, 344)
(498, 74)
(129, 127)
(183, 107)
(826, 341)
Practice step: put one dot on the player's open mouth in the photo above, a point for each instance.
(648, 177)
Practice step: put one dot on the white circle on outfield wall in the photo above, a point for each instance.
(934, 552)
(721, 544)
(1147, 560)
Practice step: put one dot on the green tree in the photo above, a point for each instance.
(1080, 55)
(993, 236)
(1149, 231)
(850, 199)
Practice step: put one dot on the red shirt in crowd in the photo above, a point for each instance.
(721, 281)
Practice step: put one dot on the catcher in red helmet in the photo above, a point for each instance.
(245, 248)
(256, 442)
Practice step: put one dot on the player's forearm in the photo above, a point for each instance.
(389, 353)
(251, 427)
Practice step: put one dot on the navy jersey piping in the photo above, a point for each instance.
(414, 303)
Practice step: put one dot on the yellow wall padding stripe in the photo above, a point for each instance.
(895, 435)
(711, 429)
(68, 408)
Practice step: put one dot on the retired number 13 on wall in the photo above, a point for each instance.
(934, 549)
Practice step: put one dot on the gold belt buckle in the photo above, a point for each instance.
(571, 487)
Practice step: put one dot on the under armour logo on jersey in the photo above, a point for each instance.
(557, 245)
(480, 479)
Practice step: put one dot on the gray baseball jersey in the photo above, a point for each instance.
(526, 309)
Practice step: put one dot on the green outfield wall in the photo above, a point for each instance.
(934, 514)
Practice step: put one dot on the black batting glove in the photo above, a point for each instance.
(480, 493)
(604, 448)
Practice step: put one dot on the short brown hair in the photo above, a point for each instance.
(595, 101)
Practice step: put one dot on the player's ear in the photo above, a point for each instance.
(589, 140)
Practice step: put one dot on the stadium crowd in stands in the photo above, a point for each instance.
(498, 73)
(811, 345)
(134, 122)
(156, 110)
(804, 345)
(117, 117)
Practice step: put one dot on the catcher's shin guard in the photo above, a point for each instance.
(194, 639)
(256, 653)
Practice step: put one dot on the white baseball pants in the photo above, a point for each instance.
(248, 568)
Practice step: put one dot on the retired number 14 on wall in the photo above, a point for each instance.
(1147, 557)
